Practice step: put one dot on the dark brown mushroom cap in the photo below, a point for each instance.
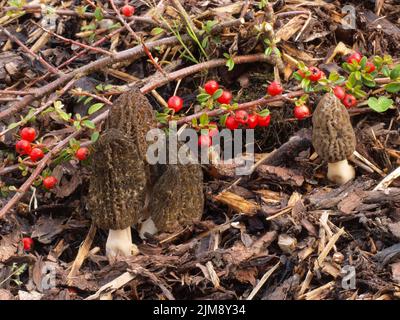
(117, 185)
(333, 136)
(177, 197)
(133, 115)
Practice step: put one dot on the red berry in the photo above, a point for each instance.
(49, 182)
(252, 121)
(175, 103)
(264, 121)
(339, 92)
(212, 132)
(349, 101)
(128, 10)
(241, 116)
(316, 74)
(301, 112)
(354, 57)
(370, 67)
(82, 153)
(211, 86)
(28, 134)
(23, 147)
(205, 141)
(28, 243)
(274, 88)
(36, 154)
(225, 98)
(231, 123)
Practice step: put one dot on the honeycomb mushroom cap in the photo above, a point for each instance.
(174, 209)
(118, 183)
(133, 115)
(333, 136)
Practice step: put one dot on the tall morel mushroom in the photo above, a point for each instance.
(333, 138)
(120, 179)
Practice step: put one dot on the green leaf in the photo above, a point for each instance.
(380, 105)
(393, 87)
(89, 124)
(386, 71)
(63, 115)
(204, 119)
(230, 64)
(217, 94)
(156, 31)
(95, 136)
(395, 73)
(13, 125)
(96, 107)
(268, 51)
(87, 100)
(264, 113)
(203, 97)
(363, 62)
(98, 14)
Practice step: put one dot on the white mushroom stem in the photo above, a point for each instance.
(148, 226)
(119, 242)
(340, 172)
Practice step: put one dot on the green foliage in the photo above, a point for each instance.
(230, 64)
(380, 105)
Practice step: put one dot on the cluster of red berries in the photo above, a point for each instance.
(313, 74)
(25, 146)
(356, 58)
(212, 86)
(241, 117)
(128, 10)
(347, 99)
(176, 103)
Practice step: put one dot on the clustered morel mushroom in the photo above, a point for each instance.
(122, 180)
(333, 138)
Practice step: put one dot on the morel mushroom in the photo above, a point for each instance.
(120, 179)
(333, 138)
(177, 197)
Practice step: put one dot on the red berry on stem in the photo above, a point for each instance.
(82, 153)
(301, 112)
(339, 92)
(316, 74)
(356, 56)
(225, 98)
(349, 101)
(241, 116)
(49, 182)
(264, 121)
(211, 86)
(370, 67)
(231, 123)
(36, 154)
(205, 141)
(128, 10)
(252, 121)
(175, 103)
(23, 147)
(28, 134)
(274, 88)
(27, 243)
